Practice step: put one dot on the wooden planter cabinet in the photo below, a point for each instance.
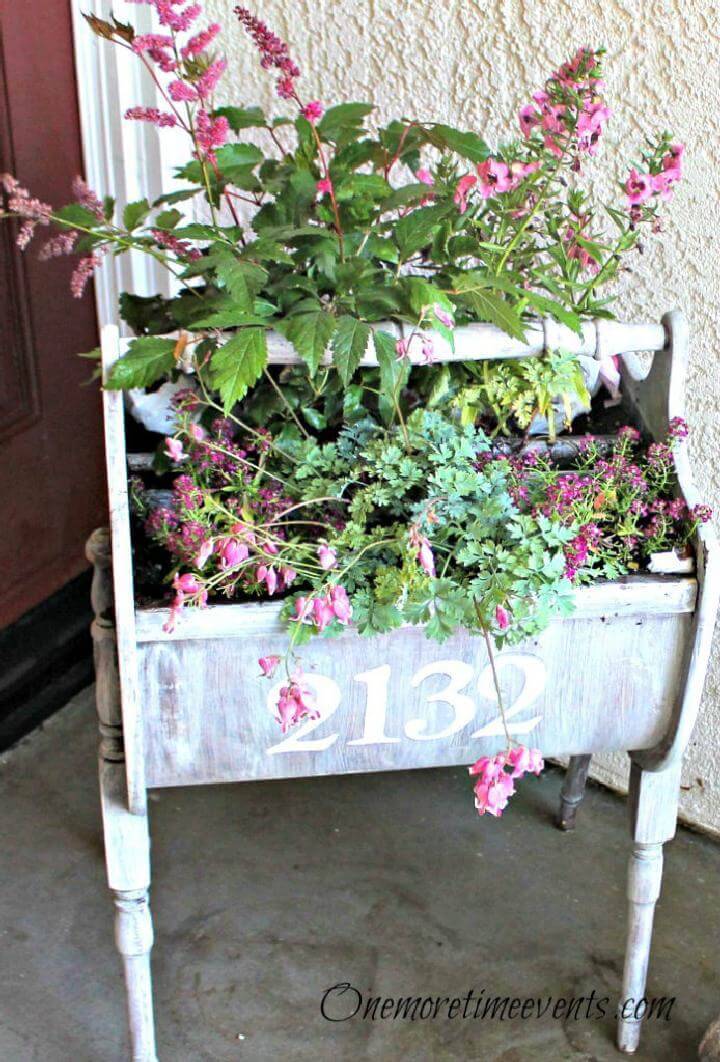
(624, 672)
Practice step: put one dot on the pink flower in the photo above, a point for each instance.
(495, 785)
(181, 247)
(528, 119)
(324, 186)
(83, 271)
(207, 82)
(288, 576)
(187, 583)
(303, 608)
(268, 665)
(327, 557)
(590, 125)
(210, 133)
(181, 92)
(340, 603)
(174, 449)
(85, 196)
(425, 556)
(494, 177)
(425, 177)
(672, 163)
(151, 114)
(428, 350)
(323, 613)
(678, 429)
(267, 575)
(402, 348)
(200, 41)
(462, 190)
(295, 702)
(233, 553)
(273, 52)
(313, 111)
(523, 760)
(493, 798)
(204, 553)
(443, 316)
(502, 618)
(638, 188)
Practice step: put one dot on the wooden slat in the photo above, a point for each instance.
(480, 342)
(116, 464)
(656, 595)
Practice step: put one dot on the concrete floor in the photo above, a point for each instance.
(267, 894)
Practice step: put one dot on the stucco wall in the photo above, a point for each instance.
(472, 64)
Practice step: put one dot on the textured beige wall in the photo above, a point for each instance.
(473, 63)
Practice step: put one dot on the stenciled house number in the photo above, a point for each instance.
(454, 694)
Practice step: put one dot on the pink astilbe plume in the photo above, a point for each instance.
(21, 202)
(85, 196)
(153, 115)
(84, 270)
(273, 52)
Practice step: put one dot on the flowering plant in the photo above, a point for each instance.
(322, 226)
(380, 498)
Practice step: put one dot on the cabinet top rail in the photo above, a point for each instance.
(480, 342)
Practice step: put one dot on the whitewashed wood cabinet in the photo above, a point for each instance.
(624, 672)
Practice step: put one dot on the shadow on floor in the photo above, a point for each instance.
(267, 894)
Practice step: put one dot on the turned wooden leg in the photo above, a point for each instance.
(653, 810)
(573, 790)
(127, 840)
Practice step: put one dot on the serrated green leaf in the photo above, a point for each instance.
(134, 213)
(167, 219)
(242, 279)
(344, 121)
(466, 144)
(238, 364)
(242, 117)
(417, 228)
(487, 306)
(349, 343)
(394, 374)
(310, 334)
(554, 309)
(75, 214)
(147, 360)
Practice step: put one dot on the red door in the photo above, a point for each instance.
(51, 471)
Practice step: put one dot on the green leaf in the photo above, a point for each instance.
(487, 306)
(467, 145)
(146, 360)
(229, 319)
(176, 197)
(349, 344)
(75, 214)
(242, 117)
(310, 334)
(555, 309)
(344, 121)
(417, 228)
(167, 219)
(236, 366)
(394, 374)
(134, 213)
(242, 279)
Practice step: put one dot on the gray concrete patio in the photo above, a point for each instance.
(267, 894)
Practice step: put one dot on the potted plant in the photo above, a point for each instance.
(372, 429)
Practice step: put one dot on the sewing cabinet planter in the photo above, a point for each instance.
(624, 673)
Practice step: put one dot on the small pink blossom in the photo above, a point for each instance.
(323, 613)
(267, 574)
(295, 702)
(327, 557)
(233, 553)
(207, 83)
(174, 449)
(340, 603)
(638, 188)
(426, 558)
(324, 186)
(204, 553)
(210, 133)
(402, 348)
(201, 41)
(181, 92)
(425, 177)
(162, 119)
(502, 618)
(268, 665)
(303, 608)
(313, 111)
(443, 316)
(528, 118)
(494, 177)
(462, 190)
